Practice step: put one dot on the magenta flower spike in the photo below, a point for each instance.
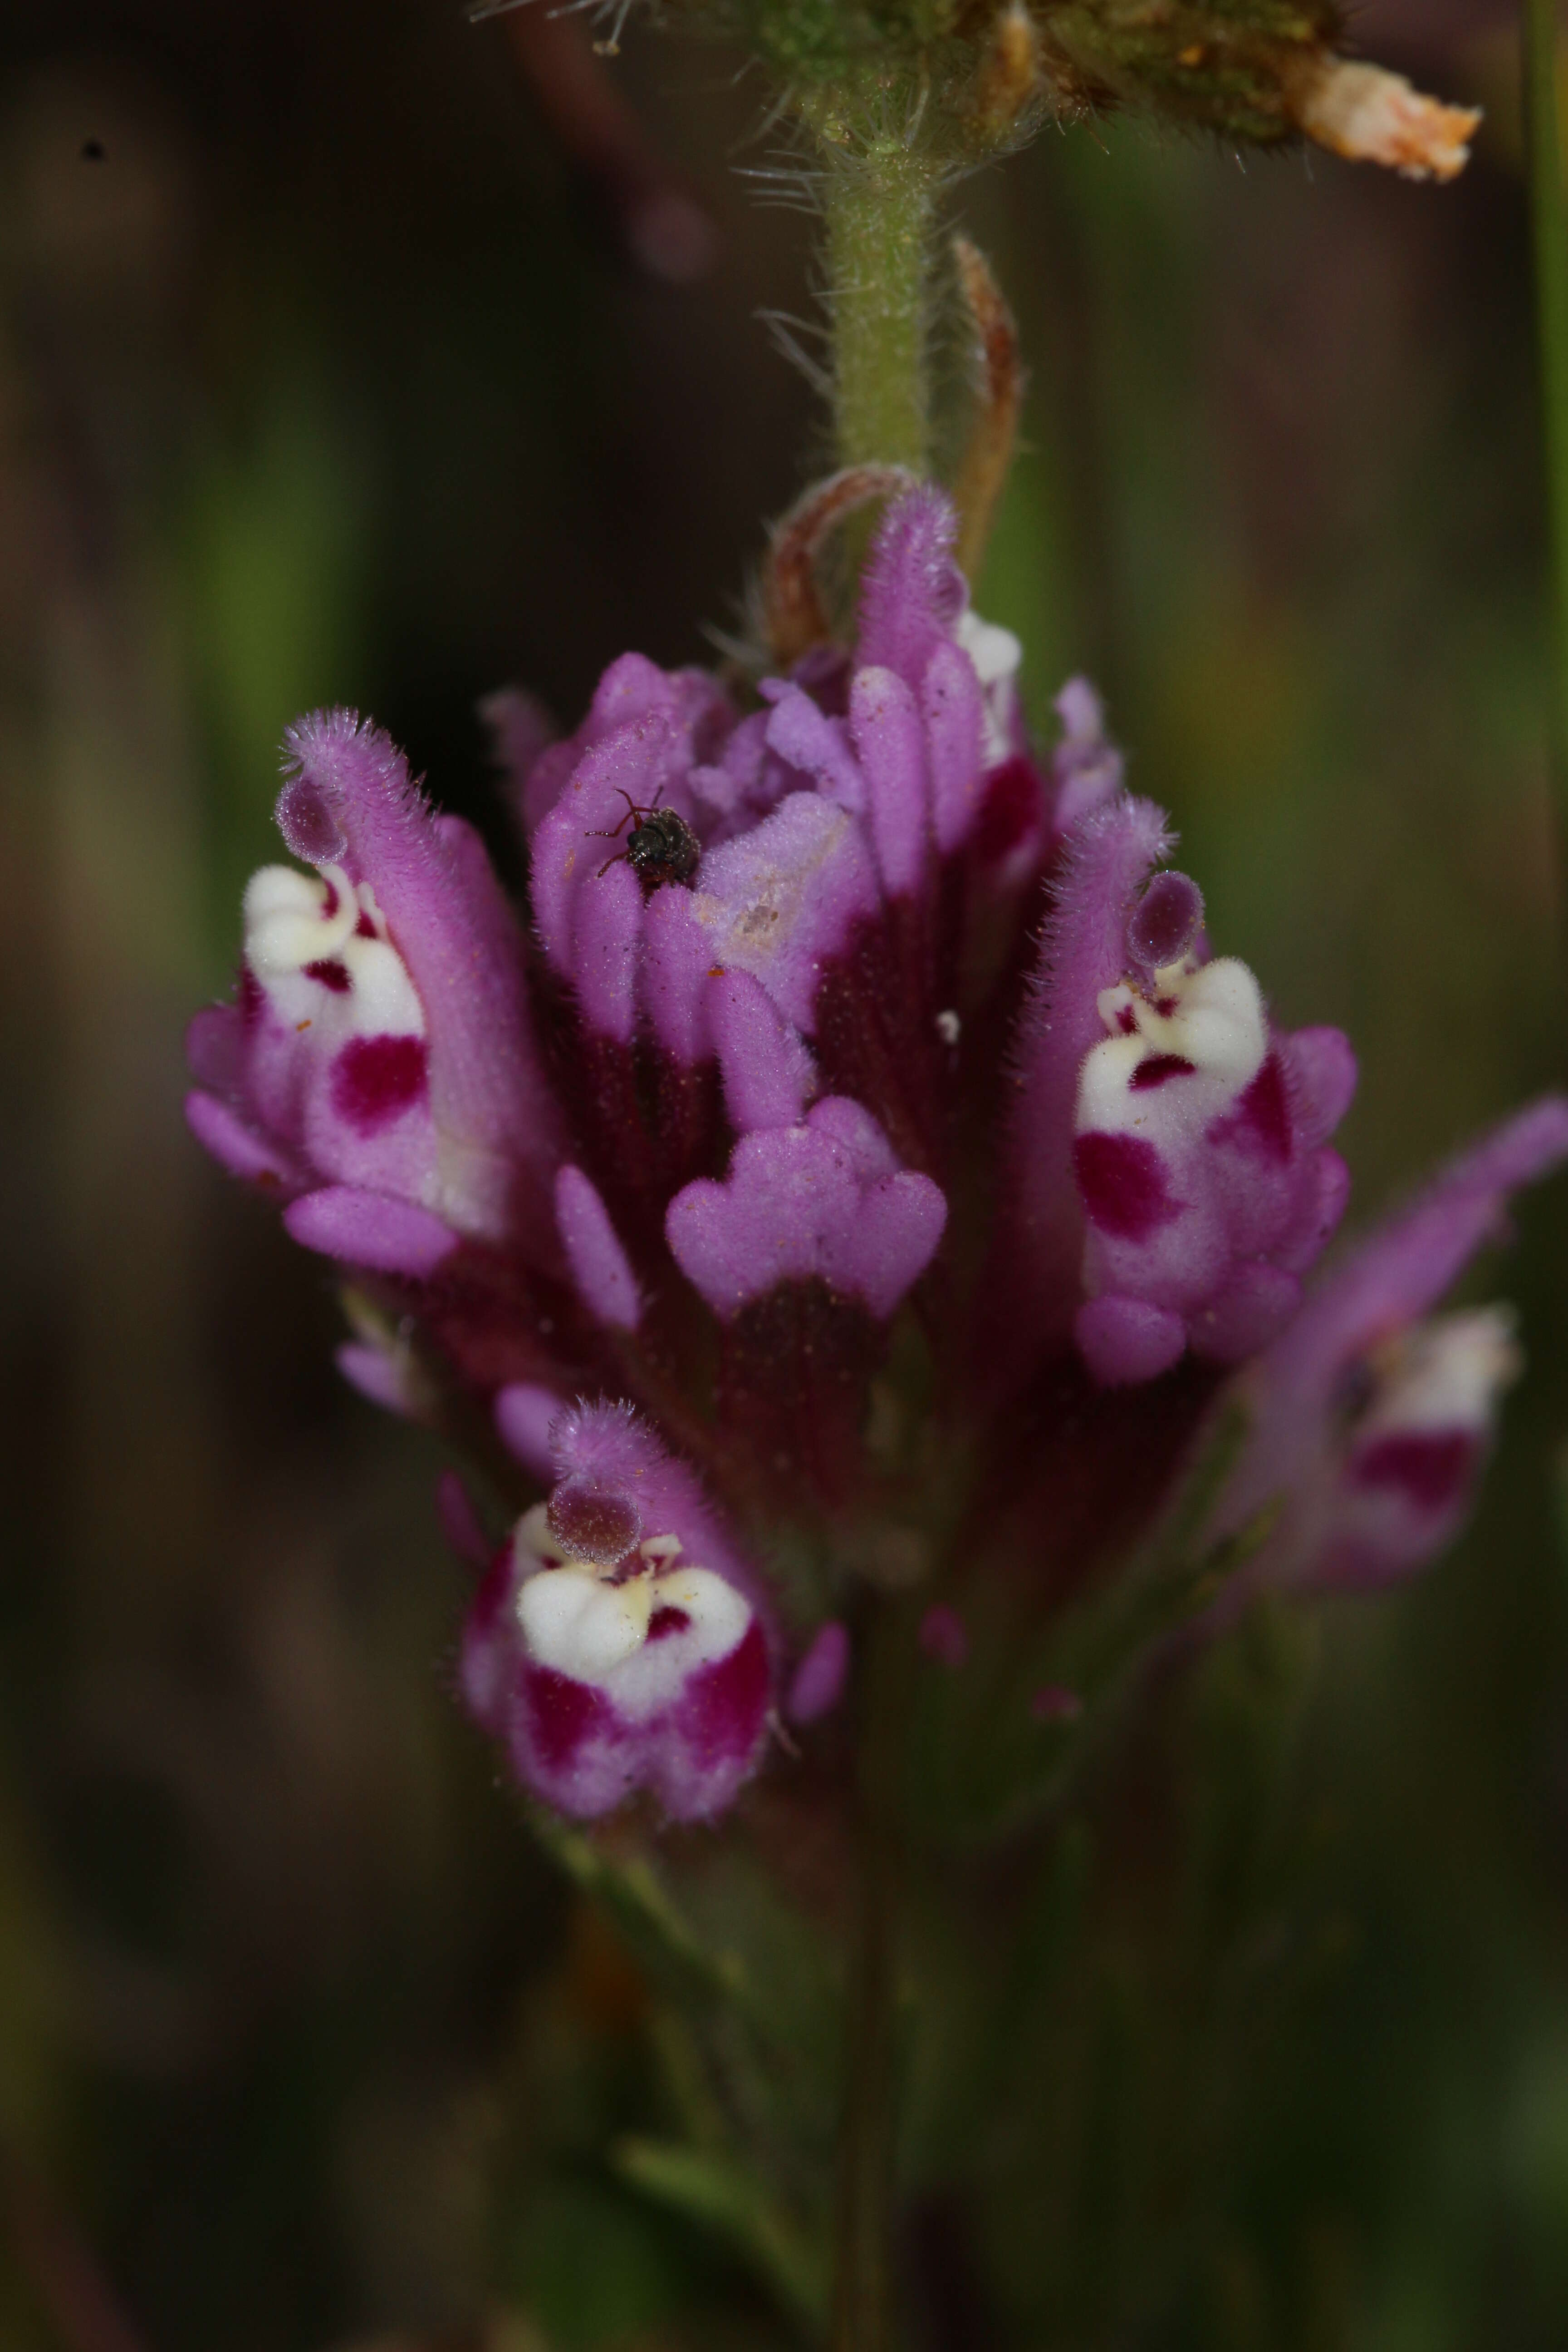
(862, 1113)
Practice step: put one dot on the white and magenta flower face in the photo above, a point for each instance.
(1412, 1457)
(335, 1030)
(1198, 1154)
(895, 1129)
(603, 1656)
(1370, 1419)
(377, 1071)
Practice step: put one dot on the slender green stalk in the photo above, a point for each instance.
(880, 195)
(862, 2280)
(879, 202)
(1549, 229)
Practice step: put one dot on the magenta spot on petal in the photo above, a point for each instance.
(365, 929)
(1010, 810)
(665, 1621)
(1431, 1468)
(1263, 1113)
(252, 996)
(1122, 1181)
(1127, 1020)
(376, 1080)
(332, 975)
(1155, 1071)
(561, 1714)
(723, 1707)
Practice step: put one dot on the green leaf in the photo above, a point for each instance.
(658, 1934)
(719, 2194)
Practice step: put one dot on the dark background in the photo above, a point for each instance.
(351, 352)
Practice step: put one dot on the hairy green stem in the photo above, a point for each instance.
(862, 2297)
(880, 202)
(1550, 231)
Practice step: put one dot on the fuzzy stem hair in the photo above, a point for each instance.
(880, 205)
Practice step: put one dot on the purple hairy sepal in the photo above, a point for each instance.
(377, 1068)
(1198, 1153)
(1087, 771)
(611, 1647)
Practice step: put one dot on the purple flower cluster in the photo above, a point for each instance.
(861, 1118)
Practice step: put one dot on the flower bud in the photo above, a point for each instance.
(1009, 80)
(1370, 116)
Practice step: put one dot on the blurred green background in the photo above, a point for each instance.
(356, 353)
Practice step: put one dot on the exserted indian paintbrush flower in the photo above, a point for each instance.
(377, 1070)
(1370, 1418)
(865, 1165)
(612, 1643)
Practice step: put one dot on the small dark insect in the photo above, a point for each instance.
(660, 846)
(92, 151)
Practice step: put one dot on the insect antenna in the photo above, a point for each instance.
(613, 832)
